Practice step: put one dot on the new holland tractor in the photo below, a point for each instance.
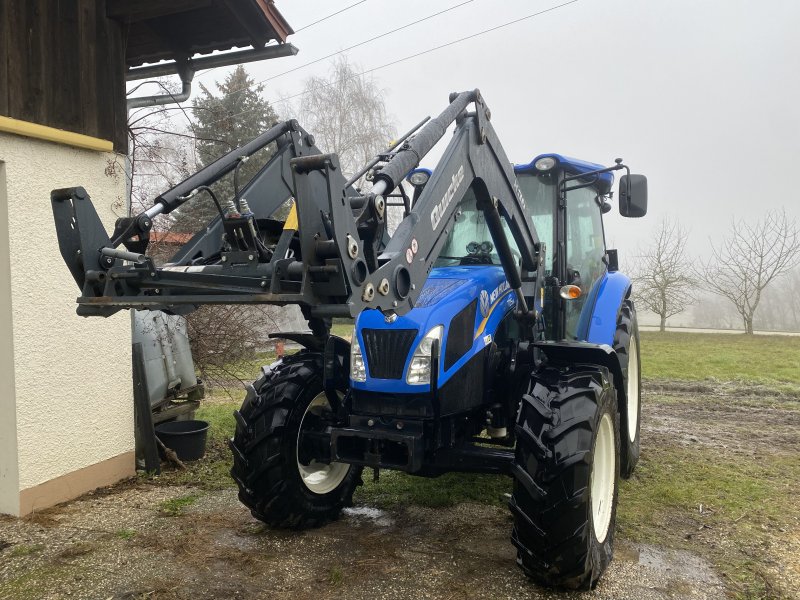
(493, 330)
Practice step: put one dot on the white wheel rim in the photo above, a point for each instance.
(602, 480)
(633, 389)
(320, 478)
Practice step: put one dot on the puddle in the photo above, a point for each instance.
(677, 563)
(377, 516)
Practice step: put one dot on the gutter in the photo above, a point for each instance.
(186, 69)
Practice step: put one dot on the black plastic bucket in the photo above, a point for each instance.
(186, 438)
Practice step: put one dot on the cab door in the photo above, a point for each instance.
(584, 242)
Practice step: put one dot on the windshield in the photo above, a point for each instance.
(470, 242)
(539, 193)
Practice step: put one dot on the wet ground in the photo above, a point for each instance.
(144, 541)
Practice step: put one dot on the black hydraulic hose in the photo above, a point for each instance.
(176, 196)
(407, 159)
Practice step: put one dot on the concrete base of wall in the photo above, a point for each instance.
(71, 485)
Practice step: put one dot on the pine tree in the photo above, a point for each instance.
(223, 123)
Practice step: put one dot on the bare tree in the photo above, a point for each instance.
(781, 305)
(751, 257)
(346, 113)
(166, 147)
(663, 278)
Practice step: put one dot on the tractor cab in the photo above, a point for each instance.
(576, 257)
(567, 210)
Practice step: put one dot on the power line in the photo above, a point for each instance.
(362, 43)
(329, 16)
(409, 57)
(372, 39)
(207, 71)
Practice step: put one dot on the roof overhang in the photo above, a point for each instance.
(180, 30)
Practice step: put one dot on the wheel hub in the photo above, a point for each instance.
(319, 478)
(633, 389)
(602, 480)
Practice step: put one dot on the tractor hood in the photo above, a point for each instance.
(467, 301)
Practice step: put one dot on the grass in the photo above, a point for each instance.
(336, 576)
(764, 359)
(212, 472)
(125, 534)
(175, 507)
(26, 549)
(746, 504)
(343, 330)
(399, 489)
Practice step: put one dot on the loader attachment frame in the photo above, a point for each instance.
(331, 257)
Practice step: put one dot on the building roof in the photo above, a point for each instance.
(158, 30)
(170, 237)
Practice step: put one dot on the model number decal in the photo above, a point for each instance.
(520, 197)
(439, 209)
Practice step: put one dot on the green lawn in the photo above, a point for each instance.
(762, 359)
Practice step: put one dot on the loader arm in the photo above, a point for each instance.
(330, 259)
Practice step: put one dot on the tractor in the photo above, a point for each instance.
(493, 330)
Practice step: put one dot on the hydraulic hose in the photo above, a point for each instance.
(407, 159)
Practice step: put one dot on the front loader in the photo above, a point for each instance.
(493, 331)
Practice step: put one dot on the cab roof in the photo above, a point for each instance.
(573, 166)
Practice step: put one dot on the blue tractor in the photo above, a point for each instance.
(493, 331)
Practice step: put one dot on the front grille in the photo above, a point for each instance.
(387, 350)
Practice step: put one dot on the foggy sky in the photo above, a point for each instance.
(703, 97)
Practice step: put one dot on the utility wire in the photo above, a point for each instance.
(372, 39)
(362, 43)
(205, 72)
(409, 57)
(329, 16)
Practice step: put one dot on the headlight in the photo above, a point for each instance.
(419, 371)
(358, 371)
(545, 164)
(419, 177)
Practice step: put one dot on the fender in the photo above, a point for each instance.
(572, 353)
(613, 289)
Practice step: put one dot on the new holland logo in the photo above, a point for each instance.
(484, 302)
(439, 209)
(487, 299)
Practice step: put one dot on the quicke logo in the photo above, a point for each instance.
(439, 209)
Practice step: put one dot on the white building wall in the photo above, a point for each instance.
(71, 375)
(9, 479)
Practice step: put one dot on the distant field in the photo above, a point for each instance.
(695, 356)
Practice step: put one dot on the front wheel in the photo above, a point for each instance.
(280, 479)
(566, 477)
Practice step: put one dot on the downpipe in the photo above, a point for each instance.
(186, 73)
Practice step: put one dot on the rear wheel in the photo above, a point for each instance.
(566, 478)
(278, 477)
(626, 345)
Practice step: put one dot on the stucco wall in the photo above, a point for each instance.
(9, 480)
(72, 375)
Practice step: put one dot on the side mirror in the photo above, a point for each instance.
(633, 195)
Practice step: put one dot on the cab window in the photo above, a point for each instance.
(585, 252)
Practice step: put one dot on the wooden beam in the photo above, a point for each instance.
(5, 49)
(276, 19)
(142, 10)
(251, 19)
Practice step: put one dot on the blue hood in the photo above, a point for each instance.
(447, 291)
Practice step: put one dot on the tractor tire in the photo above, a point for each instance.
(566, 477)
(273, 484)
(626, 345)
